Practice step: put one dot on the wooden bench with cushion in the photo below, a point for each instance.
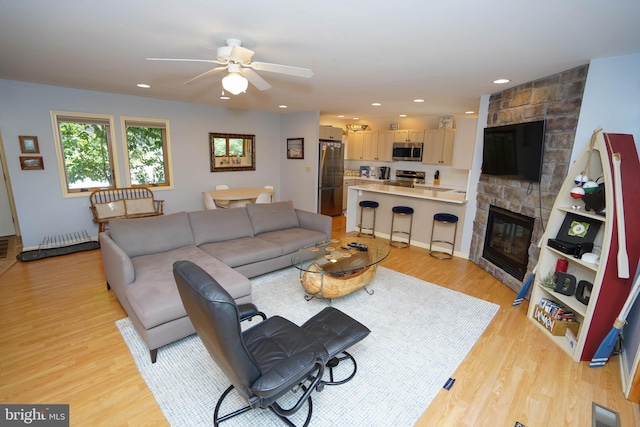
(130, 202)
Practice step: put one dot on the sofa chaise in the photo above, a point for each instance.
(232, 245)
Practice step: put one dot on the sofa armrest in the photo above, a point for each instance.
(316, 222)
(118, 268)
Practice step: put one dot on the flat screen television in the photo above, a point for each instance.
(514, 151)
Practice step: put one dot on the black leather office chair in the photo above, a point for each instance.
(268, 360)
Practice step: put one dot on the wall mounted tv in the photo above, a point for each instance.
(514, 151)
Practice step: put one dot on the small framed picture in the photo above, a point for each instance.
(295, 148)
(29, 144)
(31, 163)
(394, 126)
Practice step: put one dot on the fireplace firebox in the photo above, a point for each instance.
(507, 240)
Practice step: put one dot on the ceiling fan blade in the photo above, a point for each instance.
(206, 74)
(255, 79)
(187, 60)
(282, 69)
(241, 55)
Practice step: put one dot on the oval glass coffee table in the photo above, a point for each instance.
(339, 267)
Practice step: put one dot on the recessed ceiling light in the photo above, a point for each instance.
(501, 81)
(469, 112)
(341, 116)
(282, 106)
(418, 100)
(376, 104)
(143, 85)
(403, 115)
(356, 118)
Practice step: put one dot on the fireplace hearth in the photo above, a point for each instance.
(507, 241)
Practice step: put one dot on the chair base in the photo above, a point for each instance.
(217, 419)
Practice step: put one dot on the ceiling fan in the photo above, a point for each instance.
(237, 61)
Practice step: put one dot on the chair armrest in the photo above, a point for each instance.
(248, 310)
(159, 205)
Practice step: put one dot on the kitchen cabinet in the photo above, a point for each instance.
(348, 182)
(409, 135)
(370, 145)
(464, 144)
(355, 142)
(330, 133)
(438, 146)
(595, 310)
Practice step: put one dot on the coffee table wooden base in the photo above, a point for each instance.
(323, 285)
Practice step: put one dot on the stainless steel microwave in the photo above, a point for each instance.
(411, 151)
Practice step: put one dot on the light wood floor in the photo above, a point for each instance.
(59, 344)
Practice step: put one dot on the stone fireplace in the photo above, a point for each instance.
(556, 99)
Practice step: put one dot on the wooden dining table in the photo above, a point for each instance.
(240, 196)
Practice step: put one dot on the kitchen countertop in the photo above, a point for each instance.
(428, 192)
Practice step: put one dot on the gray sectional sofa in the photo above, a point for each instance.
(232, 245)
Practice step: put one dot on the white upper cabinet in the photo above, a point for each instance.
(409, 135)
(330, 133)
(438, 146)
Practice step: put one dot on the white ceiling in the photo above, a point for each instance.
(446, 52)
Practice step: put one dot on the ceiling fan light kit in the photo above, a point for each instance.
(234, 82)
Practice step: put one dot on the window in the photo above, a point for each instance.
(86, 152)
(147, 148)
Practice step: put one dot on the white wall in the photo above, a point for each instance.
(611, 100)
(42, 211)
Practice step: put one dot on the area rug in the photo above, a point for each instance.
(420, 333)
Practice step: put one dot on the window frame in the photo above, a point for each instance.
(152, 122)
(111, 145)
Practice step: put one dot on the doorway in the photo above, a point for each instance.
(8, 223)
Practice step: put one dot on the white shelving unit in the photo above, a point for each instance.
(608, 292)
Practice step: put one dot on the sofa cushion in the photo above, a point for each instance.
(143, 236)
(292, 239)
(267, 217)
(219, 225)
(243, 251)
(154, 295)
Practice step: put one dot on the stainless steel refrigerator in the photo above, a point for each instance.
(331, 177)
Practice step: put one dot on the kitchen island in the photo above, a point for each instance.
(426, 201)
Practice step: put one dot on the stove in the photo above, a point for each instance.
(406, 178)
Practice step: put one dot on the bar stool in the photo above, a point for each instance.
(443, 218)
(368, 204)
(402, 211)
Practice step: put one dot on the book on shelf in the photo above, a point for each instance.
(557, 310)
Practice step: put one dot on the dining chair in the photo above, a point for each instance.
(209, 204)
(222, 203)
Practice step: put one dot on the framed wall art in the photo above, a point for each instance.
(31, 163)
(29, 144)
(295, 148)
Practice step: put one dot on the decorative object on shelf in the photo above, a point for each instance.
(583, 291)
(394, 126)
(364, 171)
(561, 265)
(565, 283)
(548, 281)
(446, 122)
(577, 192)
(594, 200)
(581, 180)
(357, 127)
(29, 144)
(295, 148)
(31, 163)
